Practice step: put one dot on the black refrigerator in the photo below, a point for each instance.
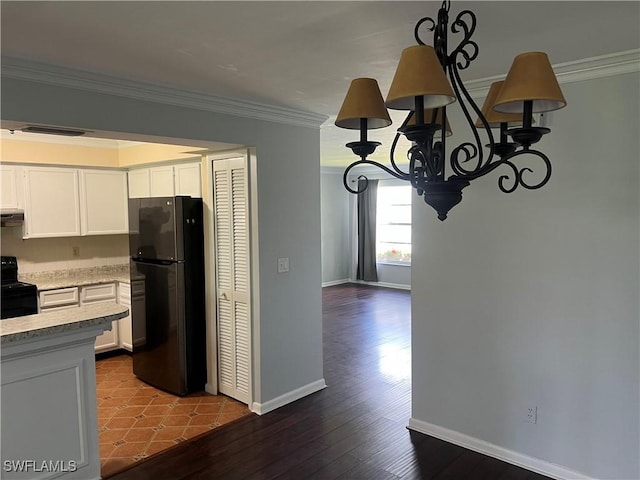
(166, 244)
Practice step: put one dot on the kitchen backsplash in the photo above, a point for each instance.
(64, 253)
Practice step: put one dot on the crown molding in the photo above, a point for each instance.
(28, 70)
(22, 69)
(619, 63)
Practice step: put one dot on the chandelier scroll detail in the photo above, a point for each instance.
(426, 81)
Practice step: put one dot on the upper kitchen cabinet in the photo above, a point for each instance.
(161, 181)
(69, 202)
(139, 183)
(52, 202)
(9, 187)
(187, 180)
(166, 181)
(103, 202)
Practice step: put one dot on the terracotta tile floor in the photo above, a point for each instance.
(136, 420)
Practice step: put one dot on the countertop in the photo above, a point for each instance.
(59, 321)
(77, 277)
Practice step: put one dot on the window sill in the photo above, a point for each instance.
(395, 264)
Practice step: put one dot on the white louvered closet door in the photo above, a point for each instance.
(232, 276)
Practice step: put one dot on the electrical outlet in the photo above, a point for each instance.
(75, 251)
(283, 265)
(531, 414)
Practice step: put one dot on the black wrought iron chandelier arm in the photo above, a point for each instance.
(508, 183)
(364, 161)
(431, 25)
(467, 49)
(519, 173)
(467, 151)
(394, 144)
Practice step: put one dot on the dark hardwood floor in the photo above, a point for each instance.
(353, 429)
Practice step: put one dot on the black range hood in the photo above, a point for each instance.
(11, 217)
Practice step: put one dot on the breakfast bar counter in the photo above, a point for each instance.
(49, 410)
(21, 330)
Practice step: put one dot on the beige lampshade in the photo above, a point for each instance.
(428, 115)
(363, 100)
(530, 78)
(419, 73)
(494, 119)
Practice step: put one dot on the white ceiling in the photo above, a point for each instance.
(299, 55)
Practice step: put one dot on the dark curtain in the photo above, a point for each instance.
(367, 270)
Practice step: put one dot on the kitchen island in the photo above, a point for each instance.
(49, 411)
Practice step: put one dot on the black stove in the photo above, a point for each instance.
(17, 298)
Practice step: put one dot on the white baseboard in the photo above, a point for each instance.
(510, 456)
(335, 282)
(292, 396)
(399, 286)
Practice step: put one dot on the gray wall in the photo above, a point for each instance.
(397, 276)
(290, 333)
(336, 240)
(532, 298)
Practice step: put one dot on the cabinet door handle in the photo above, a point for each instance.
(224, 296)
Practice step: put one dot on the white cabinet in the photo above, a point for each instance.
(161, 181)
(52, 206)
(187, 180)
(125, 333)
(102, 293)
(166, 181)
(139, 183)
(9, 187)
(72, 297)
(103, 202)
(69, 202)
(58, 299)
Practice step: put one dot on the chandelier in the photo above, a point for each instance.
(426, 80)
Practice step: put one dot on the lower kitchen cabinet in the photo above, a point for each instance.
(108, 340)
(125, 334)
(120, 335)
(102, 293)
(58, 299)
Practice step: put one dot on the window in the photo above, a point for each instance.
(393, 224)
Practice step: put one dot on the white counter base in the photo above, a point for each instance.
(48, 392)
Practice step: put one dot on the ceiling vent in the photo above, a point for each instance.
(67, 132)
